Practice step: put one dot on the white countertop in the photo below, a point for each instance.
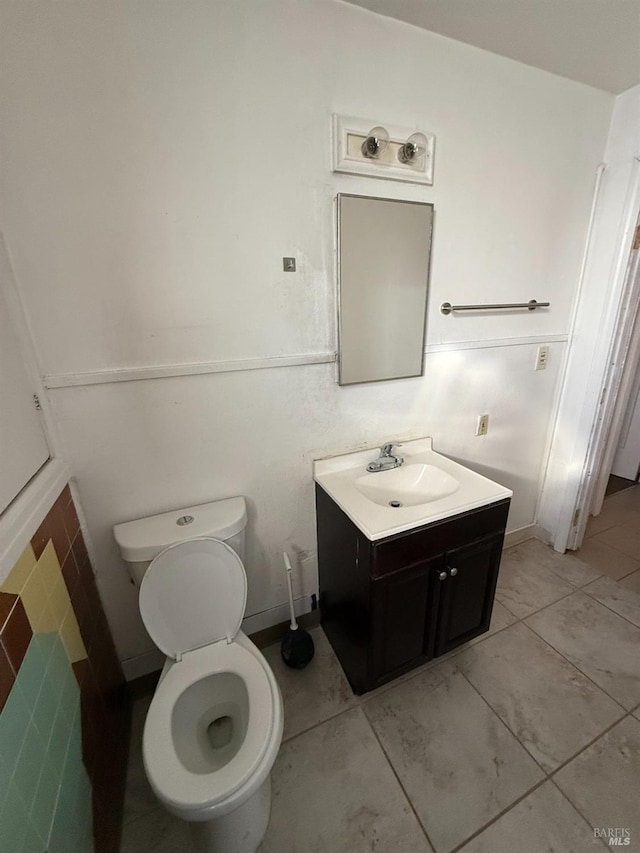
(337, 476)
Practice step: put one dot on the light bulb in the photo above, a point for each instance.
(375, 143)
(413, 148)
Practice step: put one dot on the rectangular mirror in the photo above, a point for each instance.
(384, 247)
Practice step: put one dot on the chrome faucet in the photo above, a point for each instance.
(386, 460)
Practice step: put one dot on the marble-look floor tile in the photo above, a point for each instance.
(157, 831)
(600, 643)
(525, 584)
(333, 791)
(632, 582)
(625, 602)
(605, 559)
(624, 499)
(313, 694)
(551, 707)
(603, 781)
(568, 567)
(544, 821)
(457, 761)
(598, 523)
(636, 714)
(623, 539)
(616, 511)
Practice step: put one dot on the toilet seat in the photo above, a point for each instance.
(186, 791)
(193, 594)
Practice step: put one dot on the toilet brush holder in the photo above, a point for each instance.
(297, 647)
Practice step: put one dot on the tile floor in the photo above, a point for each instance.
(526, 739)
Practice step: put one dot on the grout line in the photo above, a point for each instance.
(310, 728)
(504, 723)
(623, 577)
(575, 666)
(571, 803)
(590, 744)
(610, 609)
(399, 781)
(501, 814)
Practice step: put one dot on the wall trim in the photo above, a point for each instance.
(497, 342)
(529, 531)
(164, 371)
(26, 513)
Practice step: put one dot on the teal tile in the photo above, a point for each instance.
(33, 843)
(59, 666)
(30, 762)
(31, 673)
(5, 778)
(70, 698)
(13, 821)
(46, 708)
(45, 643)
(65, 829)
(45, 800)
(85, 790)
(74, 750)
(83, 819)
(59, 741)
(14, 722)
(85, 837)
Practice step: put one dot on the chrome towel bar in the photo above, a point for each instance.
(531, 305)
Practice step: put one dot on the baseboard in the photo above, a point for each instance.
(143, 664)
(153, 660)
(529, 531)
(275, 615)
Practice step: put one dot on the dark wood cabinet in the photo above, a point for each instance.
(393, 604)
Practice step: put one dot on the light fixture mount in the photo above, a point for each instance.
(363, 147)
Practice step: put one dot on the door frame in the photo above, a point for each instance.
(606, 420)
(628, 380)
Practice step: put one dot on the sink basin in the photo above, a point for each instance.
(427, 488)
(408, 485)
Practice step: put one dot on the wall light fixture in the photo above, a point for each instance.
(362, 147)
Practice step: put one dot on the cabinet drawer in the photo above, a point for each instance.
(408, 549)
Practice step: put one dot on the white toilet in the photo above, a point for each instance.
(214, 726)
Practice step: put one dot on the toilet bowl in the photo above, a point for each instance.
(214, 725)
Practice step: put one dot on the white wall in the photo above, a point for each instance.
(160, 159)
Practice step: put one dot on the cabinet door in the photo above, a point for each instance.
(466, 594)
(402, 604)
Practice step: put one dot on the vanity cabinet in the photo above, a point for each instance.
(395, 603)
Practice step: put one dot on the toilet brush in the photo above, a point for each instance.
(297, 645)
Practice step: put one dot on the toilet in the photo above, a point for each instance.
(214, 725)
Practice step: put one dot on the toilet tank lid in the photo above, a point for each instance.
(142, 539)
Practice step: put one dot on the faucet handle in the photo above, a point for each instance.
(386, 449)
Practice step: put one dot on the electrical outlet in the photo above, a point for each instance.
(542, 358)
(482, 426)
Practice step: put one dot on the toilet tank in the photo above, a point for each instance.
(141, 540)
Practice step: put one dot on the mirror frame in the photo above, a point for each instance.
(340, 196)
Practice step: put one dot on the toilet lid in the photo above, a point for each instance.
(193, 594)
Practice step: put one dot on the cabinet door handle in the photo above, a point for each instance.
(443, 576)
(453, 572)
